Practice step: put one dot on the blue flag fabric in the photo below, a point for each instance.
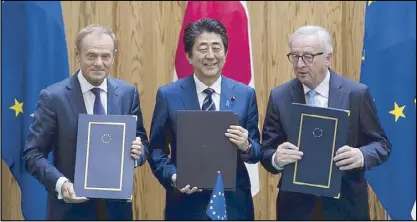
(216, 208)
(34, 55)
(389, 69)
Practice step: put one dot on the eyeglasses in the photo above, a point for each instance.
(307, 58)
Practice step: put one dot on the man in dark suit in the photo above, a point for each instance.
(206, 44)
(366, 147)
(54, 128)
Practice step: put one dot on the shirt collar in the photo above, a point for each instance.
(86, 86)
(200, 86)
(322, 88)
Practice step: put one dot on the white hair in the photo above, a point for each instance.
(323, 35)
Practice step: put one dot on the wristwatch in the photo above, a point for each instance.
(249, 148)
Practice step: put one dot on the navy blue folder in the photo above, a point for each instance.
(318, 132)
(104, 167)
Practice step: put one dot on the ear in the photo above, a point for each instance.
(77, 55)
(188, 58)
(328, 59)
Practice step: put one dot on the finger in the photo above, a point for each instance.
(348, 167)
(71, 192)
(343, 149)
(236, 137)
(136, 151)
(193, 190)
(291, 152)
(137, 146)
(292, 157)
(234, 131)
(185, 189)
(235, 127)
(135, 156)
(344, 162)
(288, 145)
(137, 143)
(237, 142)
(342, 156)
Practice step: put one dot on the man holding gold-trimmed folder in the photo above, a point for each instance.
(89, 91)
(365, 144)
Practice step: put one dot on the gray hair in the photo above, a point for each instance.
(323, 35)
(94, 28)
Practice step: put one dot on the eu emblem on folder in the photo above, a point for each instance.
(104, 167)
(318, 132)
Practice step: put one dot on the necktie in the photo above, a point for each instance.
(208, 103)
(98, 106)
(312, 97)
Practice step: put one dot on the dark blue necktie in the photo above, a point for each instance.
(208, 103)
(98, 106)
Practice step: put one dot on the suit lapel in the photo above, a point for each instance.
(189, 94)
(75, 96)
(297, 94)
(113, 106)
(336, 92)
(226, 101)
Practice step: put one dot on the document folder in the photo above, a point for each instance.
(203, 149)
(104, 167)
(318, 132)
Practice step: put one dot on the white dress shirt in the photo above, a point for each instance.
(321, 100)
(89, 99)
(216, 86)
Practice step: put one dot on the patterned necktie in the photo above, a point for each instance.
(208, 103)
(312, 97)
(98, 106)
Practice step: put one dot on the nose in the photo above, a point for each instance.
(300, 62)
(98, 62)
(210, 54)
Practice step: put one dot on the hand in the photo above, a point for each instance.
(348, 158)
(68, 194)
(287, 153)
(136, 149)
(186, 189)
(239, 136)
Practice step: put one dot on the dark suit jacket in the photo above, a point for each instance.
(54, 128)
(365, 132)
(181, 95)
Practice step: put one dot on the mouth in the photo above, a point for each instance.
(210, 65)
(302, 73)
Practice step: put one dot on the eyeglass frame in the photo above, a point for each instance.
(302, 57)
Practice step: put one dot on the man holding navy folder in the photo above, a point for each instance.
(317, 85)
(90, 91)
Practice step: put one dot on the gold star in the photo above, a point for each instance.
(397, 111)
(370, 2)
(17, 107)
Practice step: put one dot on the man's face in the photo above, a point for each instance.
(96, 57)
(312, 71)
(208, 55)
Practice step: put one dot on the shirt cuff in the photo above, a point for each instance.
(363, 160)
(275, 165)
(58, 186)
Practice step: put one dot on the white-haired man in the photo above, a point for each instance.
(366, 147)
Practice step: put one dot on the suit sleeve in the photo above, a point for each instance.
(378, 147)
(140, 129)
(272, 135)
(160, 138)
(39, 143)
(253, 131)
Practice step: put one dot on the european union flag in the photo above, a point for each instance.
(216, 208)
(34, 55)
(389, 69)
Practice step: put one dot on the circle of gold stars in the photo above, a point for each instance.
(106, 138)
(317, 132)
